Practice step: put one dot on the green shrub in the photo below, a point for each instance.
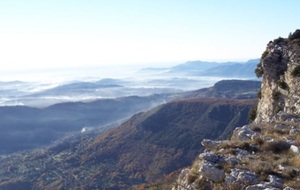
(259, 95)
(256, 129)
(259, 141)
(277, 147)
(259, 70)
(295, 35)
(192, 177)
(278, 109)
(264, 54)
(275, 95)
(296, 71)
(296, 42)
(253, 113)
(278, 40)
(282, 84)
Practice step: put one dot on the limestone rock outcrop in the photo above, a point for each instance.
(280, 89)
(266, 153)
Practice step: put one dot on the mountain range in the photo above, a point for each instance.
(215, 69)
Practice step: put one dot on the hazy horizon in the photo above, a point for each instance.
(64, 33)
(88, 73)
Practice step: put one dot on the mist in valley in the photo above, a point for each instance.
(40, 107)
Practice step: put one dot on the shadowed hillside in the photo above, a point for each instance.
(239, 89)
(25, 128)
(142, 150)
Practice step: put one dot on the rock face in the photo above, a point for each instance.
(264, 154)
(280, 87)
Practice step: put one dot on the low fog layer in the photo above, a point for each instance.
(42, 88)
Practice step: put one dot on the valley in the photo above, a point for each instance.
(136, 135)
(141, 150)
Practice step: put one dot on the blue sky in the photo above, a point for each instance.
(65, 33)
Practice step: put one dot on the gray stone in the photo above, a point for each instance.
(294, 131)
(182, 180)
(275, 181)
(268, 139)
(295, 149)
(289, 140)
(244, 133)
(244, 176)
(283, 116)
(240, 154)
(261, 187)
(235, 172)
(248, 178)
(232, 161)
(210, 172)
(212, 158)
(281, 127)
(296, 171)
(295, 120)
(256, 187)
(289, 188)
(230, 181)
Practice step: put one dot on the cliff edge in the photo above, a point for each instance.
(280, 68)
(266, 153)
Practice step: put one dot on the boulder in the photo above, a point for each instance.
(240, 153)
(232, 161)
(295, 149)
(275, 181)
(244, 133)
(244, 176)
(212, 158)
(210, 172)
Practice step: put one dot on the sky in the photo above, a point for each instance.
(41, 34)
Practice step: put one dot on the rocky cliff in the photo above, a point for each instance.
(264, 154)
(280, 85)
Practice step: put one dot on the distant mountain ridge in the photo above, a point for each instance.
(233, 70)
(216, 69)
(239, 89)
